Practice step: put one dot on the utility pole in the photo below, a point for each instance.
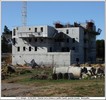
(24, 13)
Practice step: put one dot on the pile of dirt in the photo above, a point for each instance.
(8, 70)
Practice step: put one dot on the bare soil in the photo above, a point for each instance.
(60, 88)
(21, 85)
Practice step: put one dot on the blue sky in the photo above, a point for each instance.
(46, 13)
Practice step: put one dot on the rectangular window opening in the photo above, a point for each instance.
(35, 48)
(50, 49)
(67, 31)
(73, 39)
(35, 29)
(41, 29)
(18, 49)
(13, 32)
(14, 41)
(77, 60)
(29, 48)
(23, 48)
(41, 39)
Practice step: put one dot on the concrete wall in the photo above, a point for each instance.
(74, 55)
(55, 58)
(78, 34)
(92, 48)
(43, 54)
(81, 45)
(50, 31)
(72, 34)
(41, 46)
(26, 31)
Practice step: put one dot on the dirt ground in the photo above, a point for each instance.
(21, 85)
(59, 88)
(11, 89)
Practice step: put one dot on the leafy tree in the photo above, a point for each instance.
(100, 49)
(5, 47)
(6, 30)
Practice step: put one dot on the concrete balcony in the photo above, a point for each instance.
(31, 34)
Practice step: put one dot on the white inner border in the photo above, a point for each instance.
(53, 98)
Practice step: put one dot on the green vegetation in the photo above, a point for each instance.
(100, 49)
(49, 87)
(5, 46)
(6, 30)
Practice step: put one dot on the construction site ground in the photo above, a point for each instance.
(23, 85)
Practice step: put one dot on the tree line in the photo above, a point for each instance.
(100, 49)
(6, 43)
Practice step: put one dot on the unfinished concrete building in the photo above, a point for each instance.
(61, 45)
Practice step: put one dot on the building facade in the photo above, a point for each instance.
(61, 45)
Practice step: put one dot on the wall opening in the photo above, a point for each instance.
(29, 48)
(73, 40)
(14, 41)
(77, 60)
(35, 29)
(18, 49)
(13, 32)
(50, 49)
(41, 29)
(23, 48)
(67, 31)
(35, 48)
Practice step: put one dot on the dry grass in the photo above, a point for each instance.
(93, 65)
(23, 85)
(64, 89)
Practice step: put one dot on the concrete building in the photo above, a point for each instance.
(61, 45)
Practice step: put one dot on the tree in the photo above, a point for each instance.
(6, 30)
(100, 49)
(5, 46)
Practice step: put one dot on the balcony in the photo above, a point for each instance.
(31, 34)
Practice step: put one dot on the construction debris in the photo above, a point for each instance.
(77, 72)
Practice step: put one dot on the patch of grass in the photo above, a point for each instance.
(80, 88)
(61, 87)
